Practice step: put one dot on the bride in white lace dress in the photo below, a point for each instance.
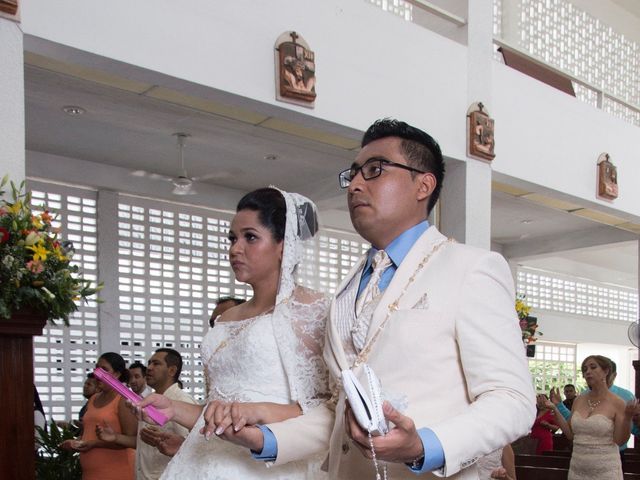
(263, 358)
(600, 422)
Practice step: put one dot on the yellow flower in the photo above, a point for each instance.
(39, 252)
(15, 208)
(59, 254)
(35, 221)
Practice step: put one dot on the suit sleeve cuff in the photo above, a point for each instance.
(564, 411)
(269, 448)
(433, 452)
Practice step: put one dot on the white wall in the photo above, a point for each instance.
(369, 63)
(11, 101)
(551, 139)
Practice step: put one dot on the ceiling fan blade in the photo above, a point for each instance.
(149, 175)
(183, 190)
(213, 176)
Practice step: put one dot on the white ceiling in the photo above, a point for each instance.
(134, 132)
(632, 6)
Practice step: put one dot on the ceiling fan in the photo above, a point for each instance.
(183, 183)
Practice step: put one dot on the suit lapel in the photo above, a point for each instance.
(407, 268)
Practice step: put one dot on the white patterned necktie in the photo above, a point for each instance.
(380, 263)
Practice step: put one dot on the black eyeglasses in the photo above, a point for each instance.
(370, 169)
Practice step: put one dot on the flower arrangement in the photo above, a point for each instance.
(35, 265)
(528, 325)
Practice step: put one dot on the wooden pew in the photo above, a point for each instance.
(558, 453)
(546, 461)
(542, 473)
(630, 466)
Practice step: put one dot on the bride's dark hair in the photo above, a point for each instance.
(271, 208)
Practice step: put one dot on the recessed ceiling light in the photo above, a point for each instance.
(73, 110)
(270, 156)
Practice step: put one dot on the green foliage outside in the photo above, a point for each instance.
(548, 374)
(52, 462)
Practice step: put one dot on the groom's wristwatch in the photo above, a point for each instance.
(417, 463)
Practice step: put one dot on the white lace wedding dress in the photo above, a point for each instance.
(269, 358)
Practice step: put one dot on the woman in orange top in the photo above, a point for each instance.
(102, 460)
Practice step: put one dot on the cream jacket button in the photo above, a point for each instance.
(345, 448)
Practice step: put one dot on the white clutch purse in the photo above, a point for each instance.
(366, 401)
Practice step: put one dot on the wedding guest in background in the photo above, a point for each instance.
(600, 421)
(137, 379)
(543, 426)
(222, 305)
(502, 466)
(102, 460)
(569, 391)
(89, 388)
(498, 464)
(156, 445)
(265, 353)
(623, 393)
(39, 418)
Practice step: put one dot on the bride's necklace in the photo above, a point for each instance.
(593, 405)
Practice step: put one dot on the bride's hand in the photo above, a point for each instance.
(246, 414)
(217, 418)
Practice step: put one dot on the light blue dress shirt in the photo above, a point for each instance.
(397, 251)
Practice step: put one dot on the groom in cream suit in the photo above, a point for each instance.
(434, 319)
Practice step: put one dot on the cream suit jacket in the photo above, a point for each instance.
(453, 348)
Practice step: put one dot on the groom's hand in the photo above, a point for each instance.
(249, 437)
(401, 445)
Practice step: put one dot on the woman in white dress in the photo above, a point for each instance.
(599, 422)
(263, 358)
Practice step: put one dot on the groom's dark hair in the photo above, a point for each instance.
(419, 148)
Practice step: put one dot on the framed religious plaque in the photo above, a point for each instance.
(295, 70)
(480, 133)
(9, 9)
(607, 178)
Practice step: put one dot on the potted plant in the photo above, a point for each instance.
(528, 325)
(53, 462)
(38, 283)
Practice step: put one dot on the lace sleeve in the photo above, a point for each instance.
(300, 335)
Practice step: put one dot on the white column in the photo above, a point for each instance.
(108, 320)
(466, 196)
(12, 143)
(465, 210)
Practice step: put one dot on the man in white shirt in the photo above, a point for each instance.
(157, 444)
(137, 380)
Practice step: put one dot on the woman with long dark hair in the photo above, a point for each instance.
(263, 358)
